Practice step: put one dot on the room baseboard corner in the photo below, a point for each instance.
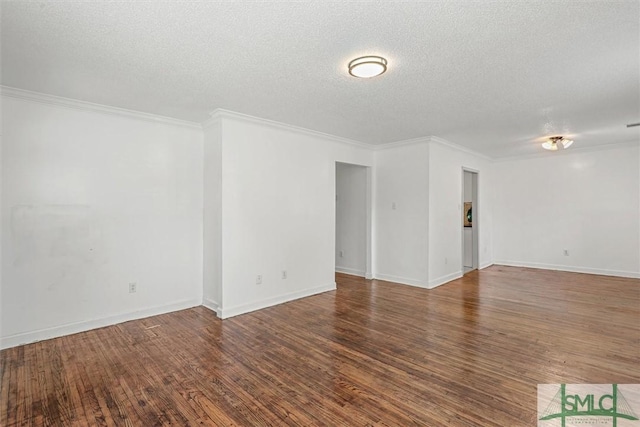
(211, 305)
(402, 280)
(444, 279)
(225, 313)
(350, 271)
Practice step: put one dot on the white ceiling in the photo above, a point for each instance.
(493, 76)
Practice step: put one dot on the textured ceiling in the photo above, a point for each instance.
(493, 76)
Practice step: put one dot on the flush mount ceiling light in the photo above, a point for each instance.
(552, 143)
(367, 66)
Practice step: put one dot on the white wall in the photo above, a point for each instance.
(351, 219)
(401, 214)
(92, 201)
(94, 198)
(584, 201)
(278, 198)
(420, 241)
(446, 163)
(212, 213)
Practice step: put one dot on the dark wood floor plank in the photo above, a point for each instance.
(371, 353)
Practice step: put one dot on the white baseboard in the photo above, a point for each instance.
(351, 271)
(572, 269)
(74, 328)
(444, 279)
(420, 283)
(402, 280)
(485, 265)
(211, 305)
(225, 313)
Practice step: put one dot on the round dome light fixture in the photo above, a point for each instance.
(367, 66)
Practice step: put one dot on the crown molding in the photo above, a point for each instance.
(220, 113)
(403, 143)
(74, 104)
(212, 120)
(457, 147)
(431, 140)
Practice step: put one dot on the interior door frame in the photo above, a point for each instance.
(475, 243)
(368, 216)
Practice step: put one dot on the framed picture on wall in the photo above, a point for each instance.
(467, 215)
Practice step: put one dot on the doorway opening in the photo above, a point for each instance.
(470, 223)
(353, 220)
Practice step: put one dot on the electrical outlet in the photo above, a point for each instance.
(284, 274)
(259, 279)
(565, 252)
(446, 260)
(341, 254)
(393, 206)
(133, 287)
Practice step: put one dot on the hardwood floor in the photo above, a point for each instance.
(372, 353)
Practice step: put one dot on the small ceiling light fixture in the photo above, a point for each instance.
(552, 143)
(367, 66)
